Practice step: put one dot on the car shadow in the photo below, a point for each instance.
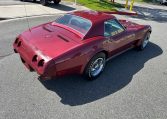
(74, 90)
(62, 7)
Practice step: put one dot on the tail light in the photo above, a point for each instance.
(16, 41)
(41, 63)
(19, 44)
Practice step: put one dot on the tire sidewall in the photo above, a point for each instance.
(146, 36)
(87, 73)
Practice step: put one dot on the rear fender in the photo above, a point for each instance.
(91, 53)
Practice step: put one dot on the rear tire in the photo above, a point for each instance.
(44, 2)
(95, 66)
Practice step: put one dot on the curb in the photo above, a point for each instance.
(29, 17)
(122, 13)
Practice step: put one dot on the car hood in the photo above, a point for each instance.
(50, 40)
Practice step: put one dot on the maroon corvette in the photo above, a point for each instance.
(78, 43)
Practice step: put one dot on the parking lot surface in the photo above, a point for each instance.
(132, 86)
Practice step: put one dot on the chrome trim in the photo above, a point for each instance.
(119, 53)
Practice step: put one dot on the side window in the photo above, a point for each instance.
(112, 27)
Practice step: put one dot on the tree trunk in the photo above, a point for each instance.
(113, 1)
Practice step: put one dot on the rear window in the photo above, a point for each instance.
(80, 24)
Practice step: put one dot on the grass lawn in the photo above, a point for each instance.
(103, 5)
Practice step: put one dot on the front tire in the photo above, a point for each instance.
(145, 41)
(95, 66)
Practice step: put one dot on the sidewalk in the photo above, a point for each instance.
(19, 11)
(12, 2)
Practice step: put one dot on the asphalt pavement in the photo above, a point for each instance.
(132, 86)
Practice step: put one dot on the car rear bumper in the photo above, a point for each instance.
(27, 63)
(26, 59)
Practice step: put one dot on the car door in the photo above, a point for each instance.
(117, 37)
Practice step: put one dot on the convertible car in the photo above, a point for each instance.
(79, 42)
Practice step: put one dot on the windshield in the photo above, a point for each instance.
(77, 23)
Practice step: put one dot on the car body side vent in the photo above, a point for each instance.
(47, 29)
(63, 38)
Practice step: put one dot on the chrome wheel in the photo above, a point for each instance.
(97, 67)
(146, 40)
